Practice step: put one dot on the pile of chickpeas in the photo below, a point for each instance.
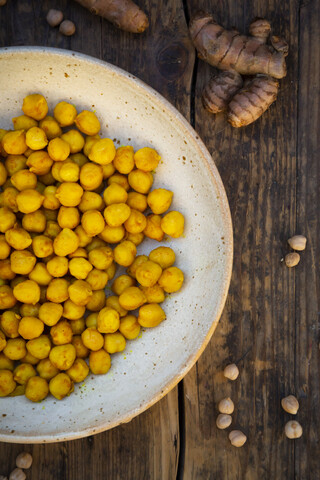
(72, 208)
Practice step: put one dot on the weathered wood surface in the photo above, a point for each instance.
(270, 324)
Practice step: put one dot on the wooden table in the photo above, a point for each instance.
(271, 320)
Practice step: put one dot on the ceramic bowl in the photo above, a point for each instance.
(131, 113)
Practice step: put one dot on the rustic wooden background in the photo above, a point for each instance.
(270, 325)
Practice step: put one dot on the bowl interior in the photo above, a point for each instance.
(130, 113)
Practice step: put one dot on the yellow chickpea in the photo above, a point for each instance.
(69, 171)
(50, 313)
(90, 140)
(61, 333)
(27, 291)
(103, 151)
(39, 162)
(23, 122)
(7, 383)
(81, 350)
(101, 258)
(136, 263)
(113, 302)
(15, 348)
(51, 127)
(23, 372)
(29, 201)
(97, 279)
(164, 256)
(9, 198)
(108, 320)
(66, 242)
(108, 170)
(79, 253)
(129, 327)
(61, 386)
(6, 363)
(80, 292)
(35, 106)
(51, 215)
(2, 134)
(92, 339)
(92, 320)
(18, 238)
(151, 315)
(3, 341)
(121, 283)
(91, 201)
(69, 194)
(65, 113)
(62, 356)
(136, 222)
(42, 246)
(24, 179)
(46, 370)
(47, 179)
(71, 311)
(7, 299)
(99, 362)
(146, 159)
(52, 229)
(171, 279)
(3, 174)
(28, 358)
(153, 229)
(154, 294)
(92, 222)
(30, 327)
(112, 234)
(39, 347)
(136, 238)
(58, 266)
(26, 310)
(79, 370)
(140, 181)
(36, 138)
(79, 158)
(55, 171)
(40, 274)
(58, 290)
(159, 200)
(91, 176)
(58, 149)
(4, 248)
(115, 194)
(7, 219)
(114, 342)
(96, 242)
(84, 239)
(148, 273)
(50, 201)
(34, 222)
(68, 217)
(14, 143)
(74, 139)
(120, 179)
(22, 262)
(124, 253)
(9, 324)
(132, 298)
(6, 272)
(137, 201)
(37, 389)
(78, 326)
(87, 123)
(123, 160)
(173, 224)
(97, 301)
(80, 268)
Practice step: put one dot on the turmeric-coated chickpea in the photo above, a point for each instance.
(3, 174)
(140, 181)
(92, 222)
(91, 176)
(61, 333)
(58, 149)
(108, 320)
(23, 372)
(51, 127)
(124, 253)
(27, 291)
(62, 356)
(92, 320)
(151, 315)
(148, 273)
(153, 229)
(34, 222)
(87, 123)
(37, 389)
(114, 342)
(14, 143)
(65, 113)
(79, 370)
(84, 239)
(132, 298)
(103, 151)
(120, 179)
(92, 339)
(29, 201)
(6, 363)
(74, 139)
(96, 242)
(39, 347)
(9, 198)
(108, 170)
(7, 219)
(24, 179)
(22, 262)
(146, 159)
(154, 294)
(113, 302)
(50, 201)
(114, 193)
(136, 222)
(135, 264)
(28, 358)
(112, 234)
(123, 160)
(81, 350)
(80, 292)
(80, 268)
(129, 327)
(18, 238)
(9, 323)
(14, 163)
(46, 370)
(71, 311)
(35, 106)
(23, 122)
(68, 217)
(101, 258)
(171, 279)
(51, 215)
(90, 140)
(58, 266)
(27, 310)
(7, 383)
(36, 138)
(30, 327)
(78, 326)
(3, 341)
(121, 283)
(39, 162)
(136, 238)
(4, 248)
(97, 301)
(79, 253)
(99, 362)
(173, 224)
(50, 313)
(7, 299)
(66, 242)
(90, 201)
(61, 386)
(15, 348)
(6, 272)
(40, 274)
(159, 200)
(58, 290)
(55, 171)
(42, 246)
(52, 229)
(69, 194)
(69, 171)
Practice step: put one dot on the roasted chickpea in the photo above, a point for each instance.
(9, 198)
(66, 242)
(30, 327)
(81, 350)
(4, 248)
(124, 253)
(35, 106)
(80, 292)
(23, 372)
(91, 176)
(14, 143)
(69, 171)
(171, 279)
(50, 313)
(120, 179)
(68, 217)
(108, 320)
(101, 258)
(97, 279)
(74, 139)
(7, 299)
(146, 159)
(50, 200)
(6, 363)
(136, 222)
(103, 151)
(173, 224)
(69, 194)
(9, 324)
(27, 291)
(132, 298)
(114, 342)
(18, 238)
(99, 362)
(112, 234)
(23, 122)
(108, 170)
(39, 347)
(140, 181)
(58, 266)
(36, 389)
(79, 158)
(42, 246)
(148, 273)
(29, 201)
(151, 315)
(7, 383)
(26, 310)
(79, 253)
(87, 123)
(159, 200)
(46, 370)
(79, 370)
(154, 294)
(14, 163)
(90, 201)
(51, 127)
(7, 219)
(61, 333)
(62, 356)
(24, 179)
(80, 268)
(15, 348)
(97, 301)
(39, 162)
(113, 302)
(71, 311)
(136, 263)
(36, 138)
(61, 386)
(84, 239)
(92, 222)
(65, 114)
(135, 238)
(34, 222)
(40, 274)
(92, 339)
(153, 229)
(6, 272)
(121, 283)
(129, 327)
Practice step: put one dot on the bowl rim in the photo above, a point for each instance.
(212, 170)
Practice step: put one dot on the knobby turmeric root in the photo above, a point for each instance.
(125, 14)
(219, 91)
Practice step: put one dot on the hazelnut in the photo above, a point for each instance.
(298, 242)
(293, 429)
(17, 474)
(292, 259)
(231, 371)
(226, 405)
(223, 421)
(237, 438)
(24, 460)
(54, 17)
(290, 404)
(67, 28)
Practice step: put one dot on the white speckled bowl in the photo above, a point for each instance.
(132, 113)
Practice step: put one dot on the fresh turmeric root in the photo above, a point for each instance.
(125, 14)
(219, 91)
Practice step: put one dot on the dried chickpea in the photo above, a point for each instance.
(61, 333)
(153, 229)
(7, 299)
(121, 283)
(34, 222)
(7, 219)
(74, 139)
(171, 279)
(79, 370)
(39, 347)
(66, 242)
(27, 291)
(124, 160)
(159, 200)
(18, 238)
(30, 327)
(29, 201)
(87, 123)
(120, 179)
(61, 386)
(90, 201)
(69, 194)
(80, 292)
(65, 114)
(24, 179)
(108, 320)
(173, 224)
(9, 323)
(50, 201)
(58, 290)
(4, 248)
(164, 256)
(114, 342)
(35, 106)
(101, 258)
(135, 264)
(71, 311)
(129, 327)
(97, 301)
(14, 143)
(36, 138)
(23, 372)
(46, 370)
(140, 181)
(42, 246)
(124, 253)
(148, 273)
(113, 302)
(23, 122)
(62, 356)
(91, 176)
(39, 162)
(132, 298)
(99, 362)
(7, 383)
(40, 274)
(112, 234)
(50, 313)
(69, 171)
(92, 339)
(97, 279)
(81, 350)
(92, 222)
(51, 127)
(15, 348)
(150, 315)
(154, 294)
